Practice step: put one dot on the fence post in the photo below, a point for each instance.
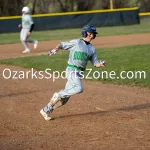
(111, 4)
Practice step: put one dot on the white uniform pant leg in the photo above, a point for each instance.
(73, 85)
(24, 37)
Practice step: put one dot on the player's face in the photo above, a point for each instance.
(90, 36)
(23, 12)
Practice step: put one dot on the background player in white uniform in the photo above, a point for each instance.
(80, 52)
(27, 27)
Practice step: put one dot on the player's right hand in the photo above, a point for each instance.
(20, 25)
(29, 33)
(53, 51)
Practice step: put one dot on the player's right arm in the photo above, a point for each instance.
(55, 50)
(30, 21)
(64, 46)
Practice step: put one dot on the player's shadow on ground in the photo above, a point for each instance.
(127, 108)
(22, 93)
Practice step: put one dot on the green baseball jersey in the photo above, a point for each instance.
(27, 21)
(80, 52)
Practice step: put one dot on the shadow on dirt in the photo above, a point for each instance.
(23, 93)
(127, 108)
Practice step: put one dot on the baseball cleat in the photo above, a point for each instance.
(35, 44)
(26, 51)
(45, 115)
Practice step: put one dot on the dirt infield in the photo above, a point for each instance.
(103, 117)
(14, 50)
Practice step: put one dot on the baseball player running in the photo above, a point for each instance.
(81, 50)
(27, 27)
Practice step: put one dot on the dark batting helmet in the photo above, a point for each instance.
(88, 28)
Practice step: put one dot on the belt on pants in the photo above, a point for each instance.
(79, 68)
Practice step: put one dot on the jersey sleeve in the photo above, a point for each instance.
(68, 45)
(94, 58)
(30, 20)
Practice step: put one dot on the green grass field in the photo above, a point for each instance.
(133, 58)
(144, 27)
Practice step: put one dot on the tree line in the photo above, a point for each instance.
(14, 7)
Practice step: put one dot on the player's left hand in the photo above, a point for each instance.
(19, 25)
(102, 64)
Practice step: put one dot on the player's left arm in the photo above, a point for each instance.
(96, 62)
(101, 64)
